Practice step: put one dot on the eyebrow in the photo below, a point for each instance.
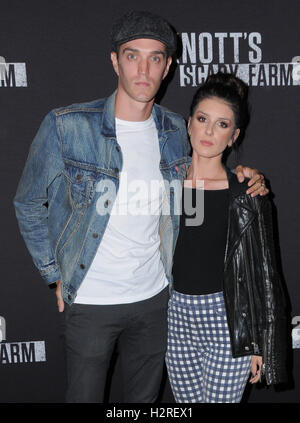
(135, 50)
(224, 118)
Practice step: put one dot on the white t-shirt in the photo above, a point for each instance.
(127, 265)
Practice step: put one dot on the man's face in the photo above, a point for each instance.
(141, 65)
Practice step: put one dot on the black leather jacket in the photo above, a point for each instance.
(253, 291)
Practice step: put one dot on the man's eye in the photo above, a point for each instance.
(131, 56)
(156, 59)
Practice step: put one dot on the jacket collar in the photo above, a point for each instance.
(162, 121)
(240, 213)
(236, 188)
(108, 128)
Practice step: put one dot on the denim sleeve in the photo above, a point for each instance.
(43, 165)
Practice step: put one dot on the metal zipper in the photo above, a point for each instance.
(264, 357)
(225, 260)
(254, 343)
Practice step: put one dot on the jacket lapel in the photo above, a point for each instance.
(240, 214)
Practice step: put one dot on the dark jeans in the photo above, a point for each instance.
(140, 332)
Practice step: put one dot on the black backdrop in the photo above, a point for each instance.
(57, 52)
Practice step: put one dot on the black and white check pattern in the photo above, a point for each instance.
(199, 358)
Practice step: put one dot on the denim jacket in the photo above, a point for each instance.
(57, 200)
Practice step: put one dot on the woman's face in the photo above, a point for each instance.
(212, 127)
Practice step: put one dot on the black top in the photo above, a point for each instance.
(199, 254)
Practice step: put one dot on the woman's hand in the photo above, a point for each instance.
(256, 368)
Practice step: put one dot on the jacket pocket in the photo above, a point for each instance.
(80, 184)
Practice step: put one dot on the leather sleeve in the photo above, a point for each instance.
(276, 338)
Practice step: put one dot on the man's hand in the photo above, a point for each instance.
(60, 301)
(257, 180)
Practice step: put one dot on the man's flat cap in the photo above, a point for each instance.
(141, 24)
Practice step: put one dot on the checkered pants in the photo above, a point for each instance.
(199, 358)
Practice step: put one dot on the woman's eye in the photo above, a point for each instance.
(201, 118)
(223, 124)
